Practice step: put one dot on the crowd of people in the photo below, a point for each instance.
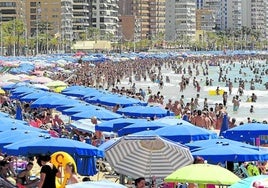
(109, 75)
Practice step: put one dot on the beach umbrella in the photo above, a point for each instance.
(13, 86)
(203, 174)
(50, 145)
(144, 111)
(11, 136)
(33, 96)
(85, 127)
(112, 100)
(101, 114)
(41, 80)
(2, 92)
(117, 124)
(137, 127)
(78, 108)
(96, 184)
(171, 120)
(138, 156)
(56, 83)
(19, 115)
(51, 101)
(248, 182)
(248, 133)
(185, 133)
(13, 149)
(79, 92)
(108, 143)
(225, 124)
(228, 152)
(196, 145)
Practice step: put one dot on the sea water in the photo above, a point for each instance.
(171, 90)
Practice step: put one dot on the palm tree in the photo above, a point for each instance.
(13, 32)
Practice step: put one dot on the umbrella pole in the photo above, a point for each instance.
(98, 175)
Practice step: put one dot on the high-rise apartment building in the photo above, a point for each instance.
(105, 17)
(43, 17)
(149, 16)
(67, 22)
(180, 19)
(12, 9)
(81, 17)
(254, 16)
(230, 15)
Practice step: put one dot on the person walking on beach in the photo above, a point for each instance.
(236, 103)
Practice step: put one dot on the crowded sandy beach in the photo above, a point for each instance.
(135, 120)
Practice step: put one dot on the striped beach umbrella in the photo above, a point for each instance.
(147, 156)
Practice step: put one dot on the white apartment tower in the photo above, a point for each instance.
(255, 16)
(105, 16)
(230, 15)
(81, 17)
(180, 19)
(67, 22)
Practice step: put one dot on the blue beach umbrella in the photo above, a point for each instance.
(247, 132)
(11, 136)
(145, 111)
(79, 92)
(112, 100)
(50, 145)
(33, 96)
(49, 101)
(117, 124)
(101, 114)
(18, 113)
(137, 127)
(201, 144)
(79, 108)
(185, 133)
(228, 152)
(224, 125)
(13, 149)
(23, 90)
(247, 182)
(173, 121)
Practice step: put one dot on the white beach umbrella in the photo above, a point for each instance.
(147, 156)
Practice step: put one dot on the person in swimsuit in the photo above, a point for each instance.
(23, 177)
(70, 169)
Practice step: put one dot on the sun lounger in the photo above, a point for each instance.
(6, 184)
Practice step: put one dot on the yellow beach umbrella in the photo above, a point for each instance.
(55, 84)
(2, 92)
(59, 89)
(203, 174)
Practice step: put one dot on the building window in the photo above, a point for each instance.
(33, 17)
(33, 4)
(33, 10)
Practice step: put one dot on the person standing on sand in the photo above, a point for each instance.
(48, 173)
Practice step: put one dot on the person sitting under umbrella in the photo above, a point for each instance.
(23, 178)
(140, 182)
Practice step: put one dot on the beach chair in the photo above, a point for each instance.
(109, 171)
(6, 184)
